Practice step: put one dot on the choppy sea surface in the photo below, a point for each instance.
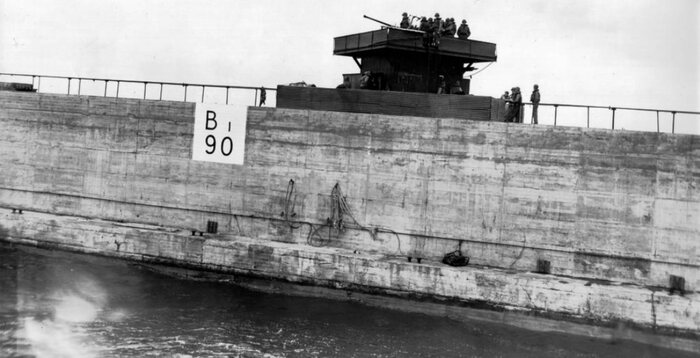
(59, 304)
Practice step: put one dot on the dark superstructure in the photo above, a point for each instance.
(402, 60)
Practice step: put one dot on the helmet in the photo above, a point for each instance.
(404, 14)
(437, 15)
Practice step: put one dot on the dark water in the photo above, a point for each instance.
(57, 304)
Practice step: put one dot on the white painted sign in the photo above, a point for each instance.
(219, 133)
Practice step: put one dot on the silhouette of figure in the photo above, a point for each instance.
(263, 96)
(450, 28)
(535, 99)
(366, 80)
(516, 102)
(405, 22)
(457, 88)
(463, 32)
(346, 83)
(442, 85)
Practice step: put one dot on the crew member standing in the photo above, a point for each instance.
(515, 103)
(366, 80)
(439, 23)
(425, 27)
(405, 22)
(506, 97)
(346, 83)
(442, 85)
(436, 28)
(535, 99)
(424, 24)
(263, 96)
(463, 32)
(450, 28)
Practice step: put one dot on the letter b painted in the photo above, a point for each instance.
(211, 116)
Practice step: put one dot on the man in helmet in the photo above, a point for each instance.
(366, 80)
(435, 30)
(450, 28)
(442, 85)
(535, 99)
(463, 31)
(405, 21)
(516, 100)
(423, 24)
(439, 23)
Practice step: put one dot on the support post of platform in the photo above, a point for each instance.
(80, 83)
(185, 99)
(160, 97)
(673, 123)
(555, 114)
(144, 89)
(203, 93)
(118, 83)
(106, 88)
(588, 117)
(613, 117)
(69, 85)
(657, 121)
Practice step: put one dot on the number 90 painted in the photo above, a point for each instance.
(226, 145)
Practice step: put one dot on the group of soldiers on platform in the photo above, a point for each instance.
(514, 103)
(436, 27)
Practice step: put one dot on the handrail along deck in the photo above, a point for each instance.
(204, 86)
(38, 78)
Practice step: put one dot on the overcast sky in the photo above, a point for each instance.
(629, 53)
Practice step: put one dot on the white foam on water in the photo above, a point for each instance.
(64, 334)
(49, 338)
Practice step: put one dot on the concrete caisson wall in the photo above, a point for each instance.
(602, 204)
(611, 206)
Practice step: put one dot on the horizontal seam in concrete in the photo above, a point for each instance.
(320, 223)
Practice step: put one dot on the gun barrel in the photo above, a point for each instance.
(375, 20)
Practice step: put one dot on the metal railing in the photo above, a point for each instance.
(36, 82)
(612, 113)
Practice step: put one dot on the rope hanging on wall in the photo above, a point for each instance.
(290, 201)
(336, 221)
(339, 208)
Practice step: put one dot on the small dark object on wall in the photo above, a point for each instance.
(544, 266)
(455, 258)
(212, 227)
(677, 283)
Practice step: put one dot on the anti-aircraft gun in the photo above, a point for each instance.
(400, 60)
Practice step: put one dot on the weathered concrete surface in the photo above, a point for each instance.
(621, 207)
(547, 296)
